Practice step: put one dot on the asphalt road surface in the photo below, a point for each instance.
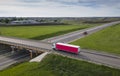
(24, 42)
(104, 59)
(78, 34)
(8, 58)
(99, 58)
(96, 57)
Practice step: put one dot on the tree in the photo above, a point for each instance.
(55, 21)
(6, 20)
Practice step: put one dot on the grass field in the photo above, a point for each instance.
(54, 65)
(41, 32)
(107, 40)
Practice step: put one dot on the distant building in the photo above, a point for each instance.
(24, 22)
(2, 23)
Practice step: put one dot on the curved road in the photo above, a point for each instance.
(105, 59)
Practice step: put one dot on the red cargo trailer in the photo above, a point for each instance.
(66, 47)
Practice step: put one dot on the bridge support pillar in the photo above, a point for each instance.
(36, 53)
(18, 48)
(13, 49)
(31, 54)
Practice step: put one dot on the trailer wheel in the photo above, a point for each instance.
(54, 49)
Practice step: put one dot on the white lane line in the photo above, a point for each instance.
(65, 37)
(3, 63)
(7, 65)
(5, 55)
(54, 39)
(91, 29)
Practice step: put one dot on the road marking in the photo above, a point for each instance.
(3, 63)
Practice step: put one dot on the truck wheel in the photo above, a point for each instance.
(54, 49)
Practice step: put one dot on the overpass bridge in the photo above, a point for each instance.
(30, 45)
(44, 46)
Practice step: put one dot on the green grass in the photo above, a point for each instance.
(40, 32)
(55, 65)
(107, 40)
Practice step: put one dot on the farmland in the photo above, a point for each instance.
(41, 32)
(55, 65)
(107, 40)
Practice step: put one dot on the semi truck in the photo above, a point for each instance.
(66, 47)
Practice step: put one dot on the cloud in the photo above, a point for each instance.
(30, 1)
(61, 8)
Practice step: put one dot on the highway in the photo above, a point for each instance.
(92, 56)
(7, 58)
(78, 34)
(105, 59)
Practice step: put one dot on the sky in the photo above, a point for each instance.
(59, 8)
